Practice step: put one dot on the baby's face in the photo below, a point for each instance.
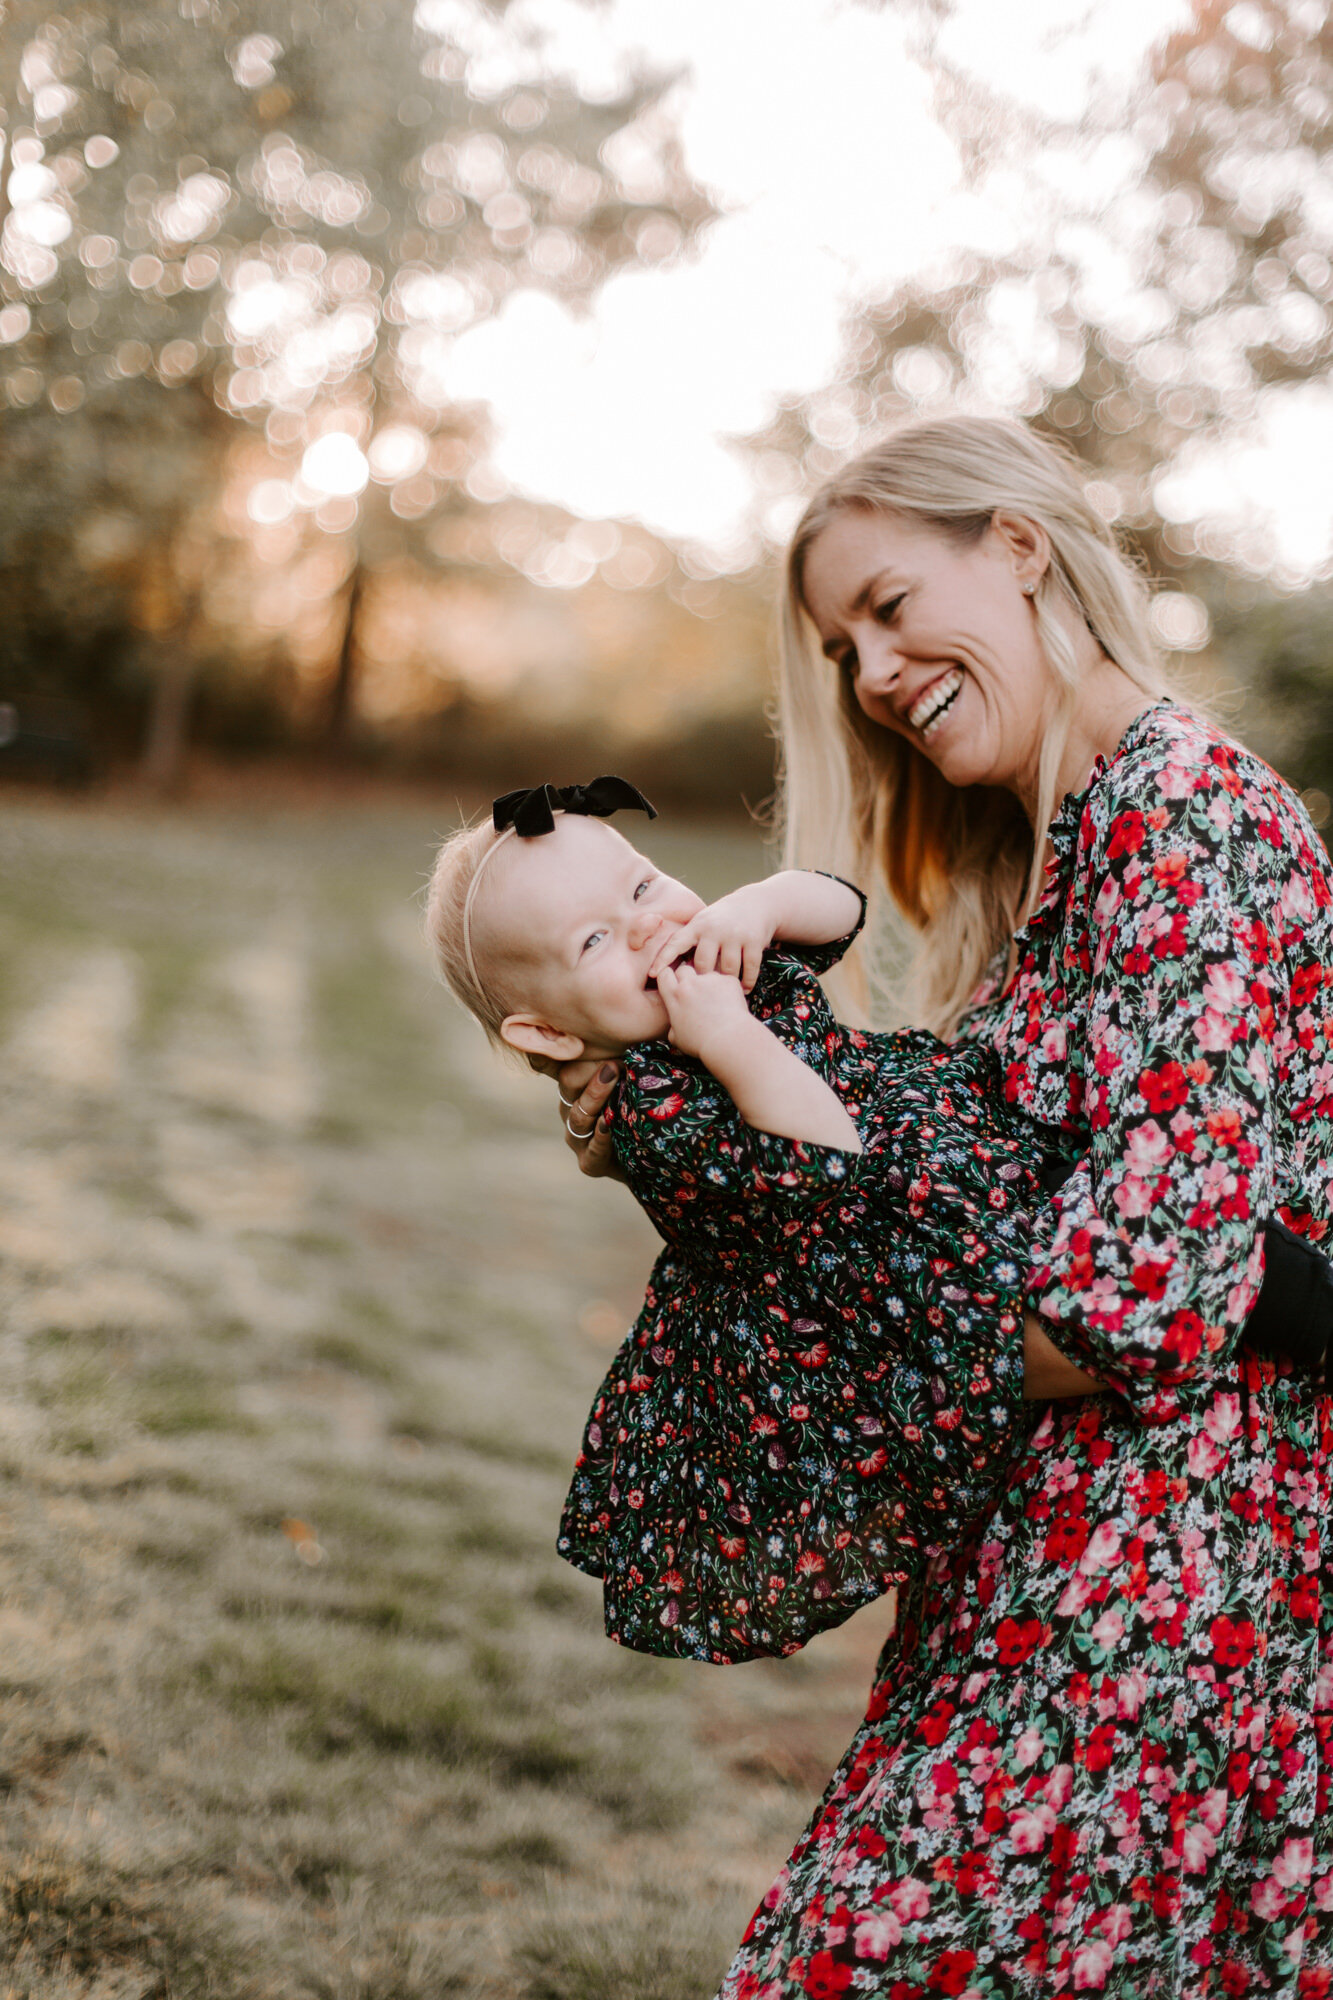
(586, 914)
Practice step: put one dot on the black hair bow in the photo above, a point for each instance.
(533, 811)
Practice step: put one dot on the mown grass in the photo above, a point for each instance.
(295, 1697)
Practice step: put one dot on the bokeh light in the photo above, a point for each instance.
(335, 466)
(397, 452)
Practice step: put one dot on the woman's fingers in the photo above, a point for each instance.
(585, 1135)
(598, 1157)
(571, 1077)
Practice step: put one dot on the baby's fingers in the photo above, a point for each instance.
(752, 961)
(678, 940)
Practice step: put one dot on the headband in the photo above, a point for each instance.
(529, 813)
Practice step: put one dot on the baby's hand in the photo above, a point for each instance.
(729, 936)
(702, 1007)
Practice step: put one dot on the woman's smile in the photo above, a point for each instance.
(927, 713)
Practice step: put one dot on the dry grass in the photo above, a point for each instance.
(302, 1307)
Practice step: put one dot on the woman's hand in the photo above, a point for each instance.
(585, 1090)
(1048, 1375)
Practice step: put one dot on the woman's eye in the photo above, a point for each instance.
(889, 609)
(846, 662)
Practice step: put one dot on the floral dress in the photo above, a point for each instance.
(1097, 1759)
(824, 1387)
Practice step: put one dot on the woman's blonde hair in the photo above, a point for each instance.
(962, 866)
(450, 896)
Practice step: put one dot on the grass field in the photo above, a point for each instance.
(303, 1307)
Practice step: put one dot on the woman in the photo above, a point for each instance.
(1096, 1760)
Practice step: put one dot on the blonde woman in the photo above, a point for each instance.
(1097, 1758)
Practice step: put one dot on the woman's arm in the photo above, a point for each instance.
(1147, 1262)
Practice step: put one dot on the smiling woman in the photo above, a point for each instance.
(985, 653)
(1096, 1757)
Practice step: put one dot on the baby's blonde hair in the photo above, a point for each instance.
(450, 897)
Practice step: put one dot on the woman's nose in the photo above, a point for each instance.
(878, 662)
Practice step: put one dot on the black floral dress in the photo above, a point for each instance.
(824, 1385)
(1097, 1759)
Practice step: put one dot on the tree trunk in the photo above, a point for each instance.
(342, 699)
(167, 736)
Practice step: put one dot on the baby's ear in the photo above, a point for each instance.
(534, 1037)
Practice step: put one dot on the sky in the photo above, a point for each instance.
(811, 124)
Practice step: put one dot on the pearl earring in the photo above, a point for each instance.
(1029, 589)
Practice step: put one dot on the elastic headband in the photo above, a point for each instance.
(467, 912)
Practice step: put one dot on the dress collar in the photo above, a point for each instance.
(1063, 829)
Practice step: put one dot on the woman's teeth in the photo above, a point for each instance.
(935, 703)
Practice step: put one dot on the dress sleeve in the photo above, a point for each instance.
(1148, 1260)
(821, 958)
(680, 1139)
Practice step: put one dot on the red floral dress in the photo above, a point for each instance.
(1097, 1759)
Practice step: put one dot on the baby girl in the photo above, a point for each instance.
(825, 1382)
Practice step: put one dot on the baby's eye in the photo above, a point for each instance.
(646, 883)
(592, 938)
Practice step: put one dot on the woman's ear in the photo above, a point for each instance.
(535, 1037)
(1027, 546)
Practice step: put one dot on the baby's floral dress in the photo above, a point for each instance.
(1097, 1759)
(824, 1387)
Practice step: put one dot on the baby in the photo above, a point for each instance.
(825, 1382)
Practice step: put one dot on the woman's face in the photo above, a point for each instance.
(938, 640)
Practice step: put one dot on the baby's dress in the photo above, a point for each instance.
(824, 1385)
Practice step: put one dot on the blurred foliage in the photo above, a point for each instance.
(1278, 647)
(228, 229)
(1139, 330)
(1132, 330)
(236, 233)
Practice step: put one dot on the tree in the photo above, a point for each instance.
(285, 213)
(1139, 332)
